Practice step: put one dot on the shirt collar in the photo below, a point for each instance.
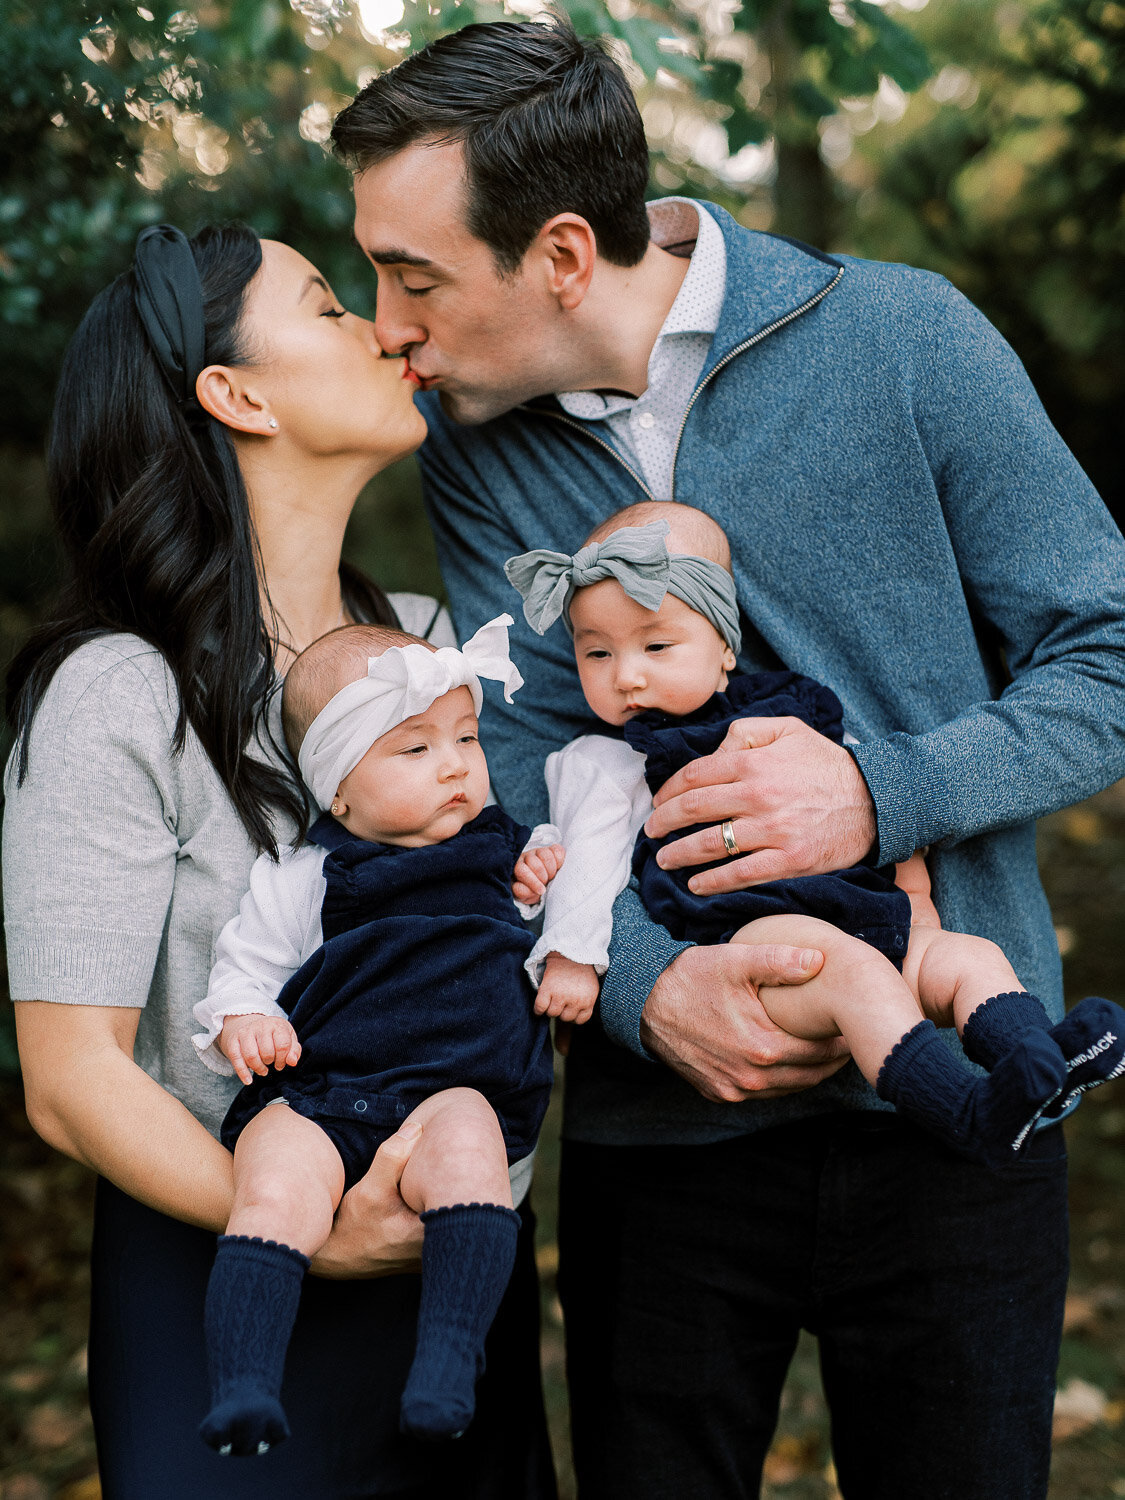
(699, 302)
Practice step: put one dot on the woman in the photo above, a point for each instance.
(217, 416)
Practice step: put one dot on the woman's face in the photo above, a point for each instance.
(320, 369)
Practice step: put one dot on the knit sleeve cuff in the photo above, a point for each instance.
(640, 952)
(80, 966)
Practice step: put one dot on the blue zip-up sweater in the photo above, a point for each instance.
(907, 527)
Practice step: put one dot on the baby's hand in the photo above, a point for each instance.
(568, 990)
(252, 1043)
(535, 869)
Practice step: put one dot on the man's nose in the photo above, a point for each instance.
(396, 331)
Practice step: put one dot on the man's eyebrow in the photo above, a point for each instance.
(313, 280)
(397, 257)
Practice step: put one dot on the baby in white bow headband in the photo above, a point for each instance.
(374, 978)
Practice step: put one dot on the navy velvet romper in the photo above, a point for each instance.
(863, 900)
(418, 986)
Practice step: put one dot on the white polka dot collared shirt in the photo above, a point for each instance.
(645, 428)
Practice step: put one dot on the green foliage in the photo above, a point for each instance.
(1013, 186)
(114, 115)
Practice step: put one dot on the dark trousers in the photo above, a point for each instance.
(344, 1375)
(935, 1288)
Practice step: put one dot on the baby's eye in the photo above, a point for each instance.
(658, 645)
(596, 654)
(334, 312)
(413, 750)
(467, 739)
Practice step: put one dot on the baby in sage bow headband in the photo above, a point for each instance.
(379, 967)
(650, 603)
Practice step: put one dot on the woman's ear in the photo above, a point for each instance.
(224, 393)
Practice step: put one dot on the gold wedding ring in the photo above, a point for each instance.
(729, 843)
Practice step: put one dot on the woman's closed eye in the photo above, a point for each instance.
(335, 312)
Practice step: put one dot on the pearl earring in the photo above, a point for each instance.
(335, 809)
(272, 422)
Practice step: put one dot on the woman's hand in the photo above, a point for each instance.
(375, 1233)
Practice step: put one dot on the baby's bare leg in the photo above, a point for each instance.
(457, 1178)
(288, 1179)
(858, 993)
(460, 1158)
(954, 972)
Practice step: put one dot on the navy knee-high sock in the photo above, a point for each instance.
(989, 1119)
(467, 1258)
(995, 1027)
(248, 1317)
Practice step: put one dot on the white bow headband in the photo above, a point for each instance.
(404, 681)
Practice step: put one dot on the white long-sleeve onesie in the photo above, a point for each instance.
(599, 800)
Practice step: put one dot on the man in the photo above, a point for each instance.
(906, 526)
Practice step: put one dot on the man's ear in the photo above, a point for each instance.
(224, 392)
(570, 251)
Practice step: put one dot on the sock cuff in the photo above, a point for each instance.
(459, 1212)
(265, 1252)
(900, 1059)
(995, 1027)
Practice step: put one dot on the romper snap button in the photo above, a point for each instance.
(360, 1105)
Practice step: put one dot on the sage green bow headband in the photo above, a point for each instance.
(638, 558)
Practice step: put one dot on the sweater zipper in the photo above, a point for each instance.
(726, 359)
(741, 349)
(557, 416)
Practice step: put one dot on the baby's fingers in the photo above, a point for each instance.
(248, 1046)
(235, 1058)
(524, 893)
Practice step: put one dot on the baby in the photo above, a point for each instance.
(650, 602)
(381, 966)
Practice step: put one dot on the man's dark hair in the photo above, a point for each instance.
(548, 123)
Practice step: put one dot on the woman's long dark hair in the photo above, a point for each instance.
(155, 524)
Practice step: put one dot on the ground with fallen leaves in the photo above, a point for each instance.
(46, 1445)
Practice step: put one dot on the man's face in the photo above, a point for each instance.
(480, 339)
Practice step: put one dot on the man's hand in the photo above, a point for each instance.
(535, 869)
(375, 1233)
(254, 1044)
(568, 990)
(797, 801)
(704, 1019)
